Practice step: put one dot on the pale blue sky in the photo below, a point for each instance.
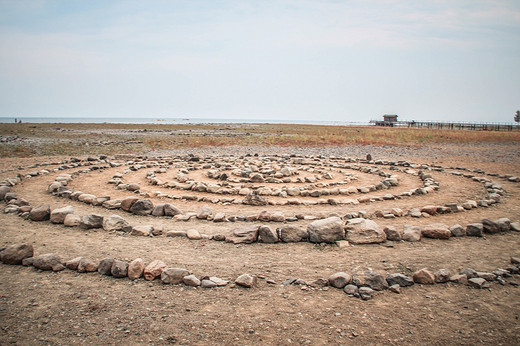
(288, 59)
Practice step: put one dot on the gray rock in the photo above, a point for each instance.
(142, 207)
(363, 231)
(399, 279)
(457, 231)
(48, 262)
(515, 226)
(392, 233)
(15, 254)
(174, 233)
(474, 230)
(459, 278)
(326, 230)
(442, 275)
(191, 280)
(370, 279)
(490, 226)
(267, 234)
(73, 263)
(135, 269)
(5, 190)
(91, 221)
(218, 281)
(246, 280)
(243, 235)
(206, 283)
(366, 293)
(119, 269)
(292, 234)
(173, 275)
(254, 199)
(470, 273)
(395, 289)
(504, 224)
(351, 289)
(40, 213)
(171, 210)
(339, 280)
(114, 223)
(412, 233)
(58, 215)
(105, 266)
(478, 283)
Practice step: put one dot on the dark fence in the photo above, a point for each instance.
(451, 125)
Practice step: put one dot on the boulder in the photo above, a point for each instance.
(490, 226)
(246, 280)
(292, 234)
(326, 230)
(15, 254)
(114, 223)
(370, 279)
(474, 229)
(436, 231)
(173, 275)
(48, 261)
(40, 213)
(191, 280)
(412, 233)
(72, 220)
(58, 215)
(105, 266)
(135, 269)
(424, 276)
(392, 233)
(142, 207)
(267, 234)
(399, 279)
(339, 280)
(91, 221)
(87, 265)
(127, 203)
(243, 235)
(363, 231)
(119, 269)
(154, 269)
(457, 231)
(442, 275)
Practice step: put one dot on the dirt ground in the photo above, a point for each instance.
(70, 308)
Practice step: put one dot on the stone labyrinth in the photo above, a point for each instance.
(259, 199)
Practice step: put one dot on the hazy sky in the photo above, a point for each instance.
(288, 59)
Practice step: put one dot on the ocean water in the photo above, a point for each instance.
(152, 120)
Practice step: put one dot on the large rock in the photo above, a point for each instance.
(135, 269)
(246, 280)
(392, 233)
(292, 234)
(339, 280)
(254, 199)
(114, 223)
(474, 229)
(87, 265)
(267, 234)
(490, 226)
(424, 276)
(119, 269)
(72, 220)
(105, 266)
(92, 221)
(243, 235)
(154, 269)
(128, 202)
(48, 261)
(173, 275)
(436, 231)
(370, 279)
(412, 233)
(399, 279)
(363, 231)
(142, 207)
(326, 230)
(15, 254)
(40, 213)
(58, 215)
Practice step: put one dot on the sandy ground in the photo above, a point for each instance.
(70, 308)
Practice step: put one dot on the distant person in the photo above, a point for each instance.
(15, 120)
(20, 121)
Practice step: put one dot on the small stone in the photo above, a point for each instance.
(119, 269)
(399, 279)
(424, 276)
(395, 288)
(474, 230)
(105, 266)
(40, 213)
(135, 269)
(72, 220)
(339, 280)
(442, 276)
(191, 280)
(436, 231)
(205, 283)
(412, 233)
(193, 234)
(478, 283)
(267, 234)
(48, 262)
(173, 275)
(246, 280)
(459, 278)
(154, 269)
(470, 273)
(73, 263)
(174, 233)
(58, 215)
(350, 289)
(392, 233)
(87, 265)
(365, 293)
(457, 231)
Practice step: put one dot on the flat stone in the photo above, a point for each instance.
(326, 230)
(364, 231)
(243, 235)
(73, 263)
(87, 265)
(478, 283)
(173, 275)
(399, 279)
(246, 280)
(48, 262)
(191, 280)
(292, 234)
(371, 279)
(436, 231)
(392, 233)
(442, 276)
(174, 233)
(193, 234)
(114, 223)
